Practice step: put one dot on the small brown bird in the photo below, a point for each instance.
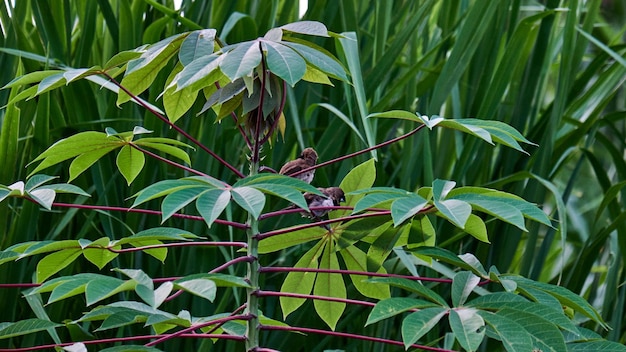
(334, 196)
(307, 159)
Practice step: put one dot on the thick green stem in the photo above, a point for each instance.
(252, 330)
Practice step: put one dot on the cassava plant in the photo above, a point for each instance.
(241, 204)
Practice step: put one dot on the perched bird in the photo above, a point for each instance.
(334, 196)
(307, 159)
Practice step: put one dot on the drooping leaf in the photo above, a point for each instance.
(210, 204)
(419, 323)
(468, 327)
(250, 199)
(300, 282)
(463, 283)
(130, 161)
(329, 285)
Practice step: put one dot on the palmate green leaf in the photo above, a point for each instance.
(176, 200)
(165, 148)
(24, 327)
(74, 146)
(356, 260)
(393, 306)
(55, 262)
(279, 242)
(47, 246)
(122, 58)
(545, 334)
(406, 207)
(419, 323)
(242, 60)
(505, 300)
(476, 227)
(319, 60)
(250, 199)
(100, 255)
(130, 162)
(197, 44)
(565, 296)
(463, 283)
(43, 197)
(284, 62)
(468, 327)
(513, 335)
(210, 204)
(142, 72)
(329, 285)
(300, 282)
(455, 211)
(65, 188)
(412, 286)
(37, 180)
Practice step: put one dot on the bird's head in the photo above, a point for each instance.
(310, 155)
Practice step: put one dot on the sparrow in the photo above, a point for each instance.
(307, 159)
(333, 196)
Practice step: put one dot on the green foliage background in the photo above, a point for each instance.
(556, 73)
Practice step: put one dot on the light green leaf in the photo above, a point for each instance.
(130, 161)
(197, 44)
(242, 60)
(307, 27)
(360, 177)
(419, 323)
(406, 207)
(300, 282)
(249, 199)
(163, 188)
(104, 287)
(177, 102)
(165, 148)
(329, 285)
(356, 260)
(287, 240)
(455, 211)
(142, 72)
(43, 197)
(204, 288)
(55, 262)
(98, 254)
(475, 226)
(319, 60)
(468, 327)
(284, 62)
(210, 204)
(463, 283)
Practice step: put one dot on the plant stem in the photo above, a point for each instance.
(252, 301)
